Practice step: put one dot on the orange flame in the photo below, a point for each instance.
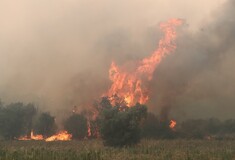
(89, 129)
(32, 137)
(61, 136)
(129, 85)
(172, 124)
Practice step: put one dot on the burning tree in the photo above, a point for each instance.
(129, 83)
(120, 118)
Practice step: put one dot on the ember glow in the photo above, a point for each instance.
(129, 86)
(61, 136)
(172, 124)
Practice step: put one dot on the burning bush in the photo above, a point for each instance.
(120, 125)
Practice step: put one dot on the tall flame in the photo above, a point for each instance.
(129, 85)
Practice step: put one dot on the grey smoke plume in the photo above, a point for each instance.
(57, 53)
(198, 80)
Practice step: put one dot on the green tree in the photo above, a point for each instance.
(45, 125)
(76, 125)
(16, 119)
(29, 112)
(213, 126)
(194, 128)
(120, 125)
(151, 126)
(1, 104)
(228, 126)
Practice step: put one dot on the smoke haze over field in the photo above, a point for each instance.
(57, 53)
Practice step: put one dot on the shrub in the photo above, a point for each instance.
(120, 126)
(45, 125)
(76, 125)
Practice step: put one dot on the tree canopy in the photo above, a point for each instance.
(76, 125)
(16, 119)
(45, 125)
(120, 125)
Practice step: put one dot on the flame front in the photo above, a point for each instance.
(32, 137)
(129, 86)
(61, 136)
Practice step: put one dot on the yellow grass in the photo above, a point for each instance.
(94, 149)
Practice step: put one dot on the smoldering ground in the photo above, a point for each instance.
(57, 54)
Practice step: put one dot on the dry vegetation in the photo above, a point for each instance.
(94, 149)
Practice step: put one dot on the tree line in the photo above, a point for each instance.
(211, 128)
(19, 119)
(116, 125)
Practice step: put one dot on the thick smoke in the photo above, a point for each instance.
(57, 53)
(198, 80)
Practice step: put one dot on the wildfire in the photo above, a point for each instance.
(129, 85)
(172, 124)
(61, 136)
(32, 137)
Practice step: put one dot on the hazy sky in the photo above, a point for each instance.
(56, 53)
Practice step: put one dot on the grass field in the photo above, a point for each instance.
(94, 149)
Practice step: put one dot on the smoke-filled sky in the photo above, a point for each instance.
(56, 53)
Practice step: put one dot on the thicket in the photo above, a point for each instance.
(76, 125)
(18, 119)
(117, 125)
(120, 125)
(154, 127)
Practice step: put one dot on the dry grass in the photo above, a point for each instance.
(94, 149)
